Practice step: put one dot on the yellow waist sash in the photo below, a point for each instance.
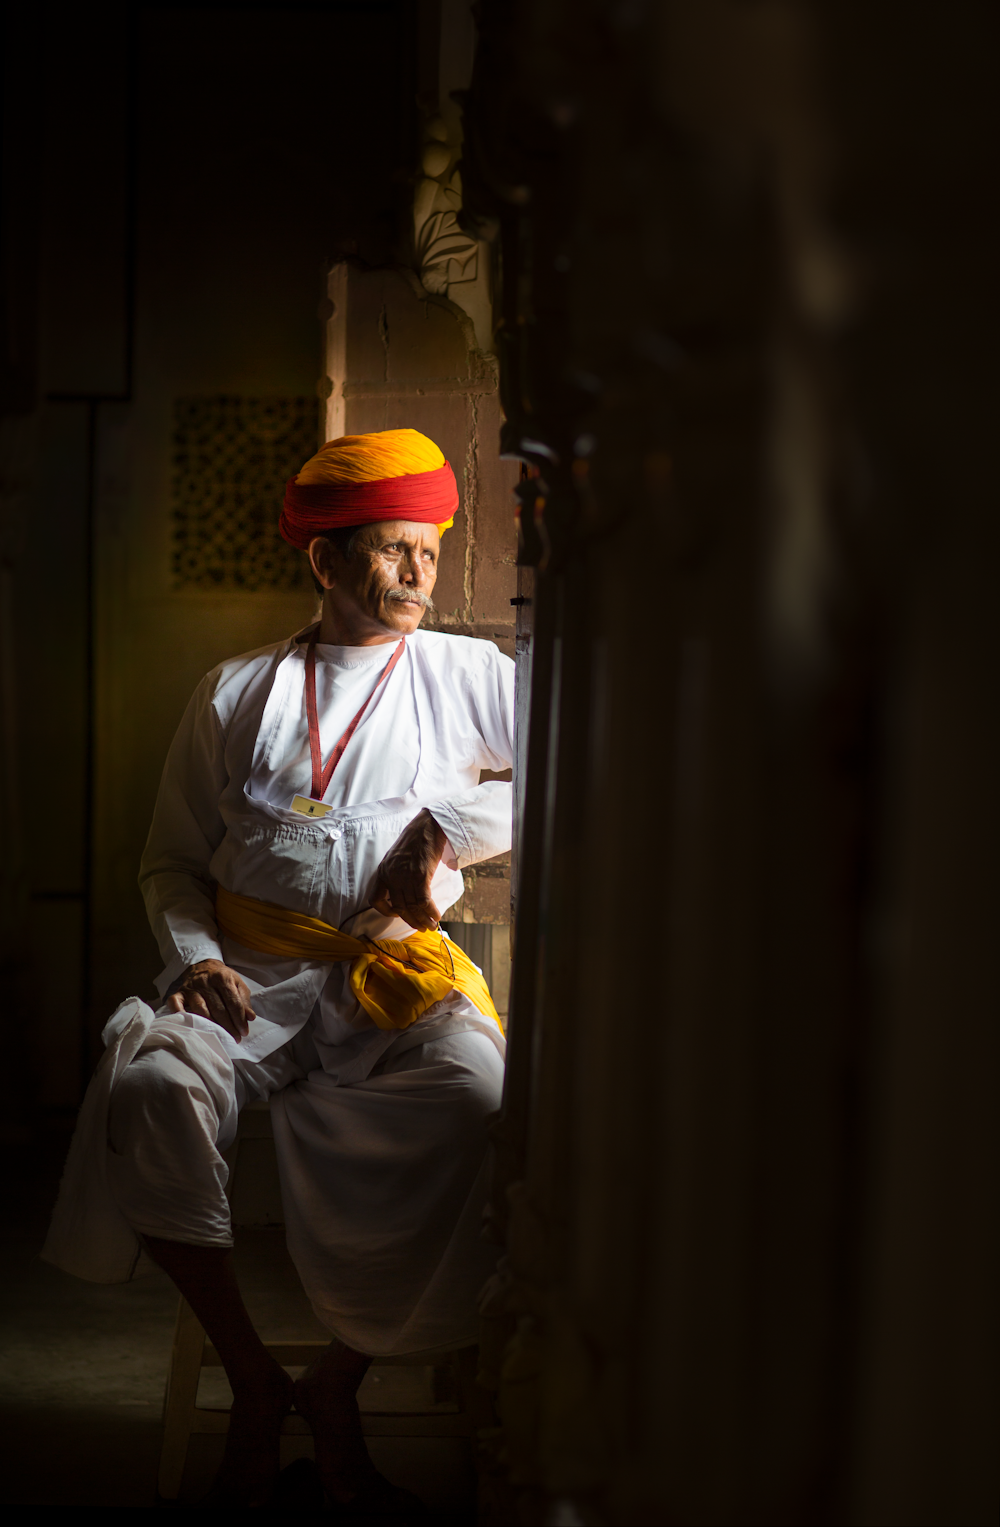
(395, 980)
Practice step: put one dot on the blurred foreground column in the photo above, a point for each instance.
(743, 1174)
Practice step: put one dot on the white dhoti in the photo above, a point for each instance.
(380, 1134)
(383, 1181)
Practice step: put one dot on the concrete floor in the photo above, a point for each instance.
(82, 1369)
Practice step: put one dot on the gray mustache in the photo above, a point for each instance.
(411, 595)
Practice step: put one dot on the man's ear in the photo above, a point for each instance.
(323, 561)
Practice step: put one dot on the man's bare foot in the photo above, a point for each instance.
(252, 1458)
(327, 1399)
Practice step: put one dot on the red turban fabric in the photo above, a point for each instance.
(429, 498)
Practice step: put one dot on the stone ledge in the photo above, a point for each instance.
(486, 898)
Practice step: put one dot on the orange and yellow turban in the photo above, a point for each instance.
(393, 474)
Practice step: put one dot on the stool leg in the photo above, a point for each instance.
(477, 1403)
(181, 1397)
(473, 1398)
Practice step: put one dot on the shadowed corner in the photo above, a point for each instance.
(83, 1366)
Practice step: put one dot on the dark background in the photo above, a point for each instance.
(177, 180)
(746, 1170)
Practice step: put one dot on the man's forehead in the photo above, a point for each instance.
(399, 530)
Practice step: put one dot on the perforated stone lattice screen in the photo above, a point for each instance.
(231, 459)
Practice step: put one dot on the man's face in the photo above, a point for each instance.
(387, 581)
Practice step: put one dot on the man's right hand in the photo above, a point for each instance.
(215, 992)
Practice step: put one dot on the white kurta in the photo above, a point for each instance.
(380, 1135)
(224, 815)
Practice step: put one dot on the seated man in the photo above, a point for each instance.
(320, 794)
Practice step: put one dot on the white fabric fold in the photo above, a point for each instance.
(88, 1236)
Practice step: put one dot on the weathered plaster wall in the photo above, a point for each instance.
(397, 357)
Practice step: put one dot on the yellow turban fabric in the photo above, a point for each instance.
(393, 474)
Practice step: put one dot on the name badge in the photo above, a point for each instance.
(307, 808)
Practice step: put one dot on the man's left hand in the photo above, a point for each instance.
(403, 886)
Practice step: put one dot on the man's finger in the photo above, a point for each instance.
(243, 999)
(424, 907)
(243, 991)
(228, 993)
(236, 1023)
(218, 1010)
(422, 915)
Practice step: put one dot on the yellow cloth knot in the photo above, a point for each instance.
(395, 980)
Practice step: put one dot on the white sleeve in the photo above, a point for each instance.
(477, 823)
(186, 830)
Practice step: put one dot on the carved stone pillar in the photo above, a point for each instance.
(450, 261)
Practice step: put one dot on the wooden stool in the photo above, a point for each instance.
(192, 1351)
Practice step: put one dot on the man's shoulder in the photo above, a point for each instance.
(447, 651)
(230, 678)
(244, 662)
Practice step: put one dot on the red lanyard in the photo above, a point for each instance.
(323, 775)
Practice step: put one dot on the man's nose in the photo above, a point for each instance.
(413, 569)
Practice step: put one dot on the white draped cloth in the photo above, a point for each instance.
(380, 1135)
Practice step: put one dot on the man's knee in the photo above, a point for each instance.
(164, 1167)
(159, 1095)
(478, 1081)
